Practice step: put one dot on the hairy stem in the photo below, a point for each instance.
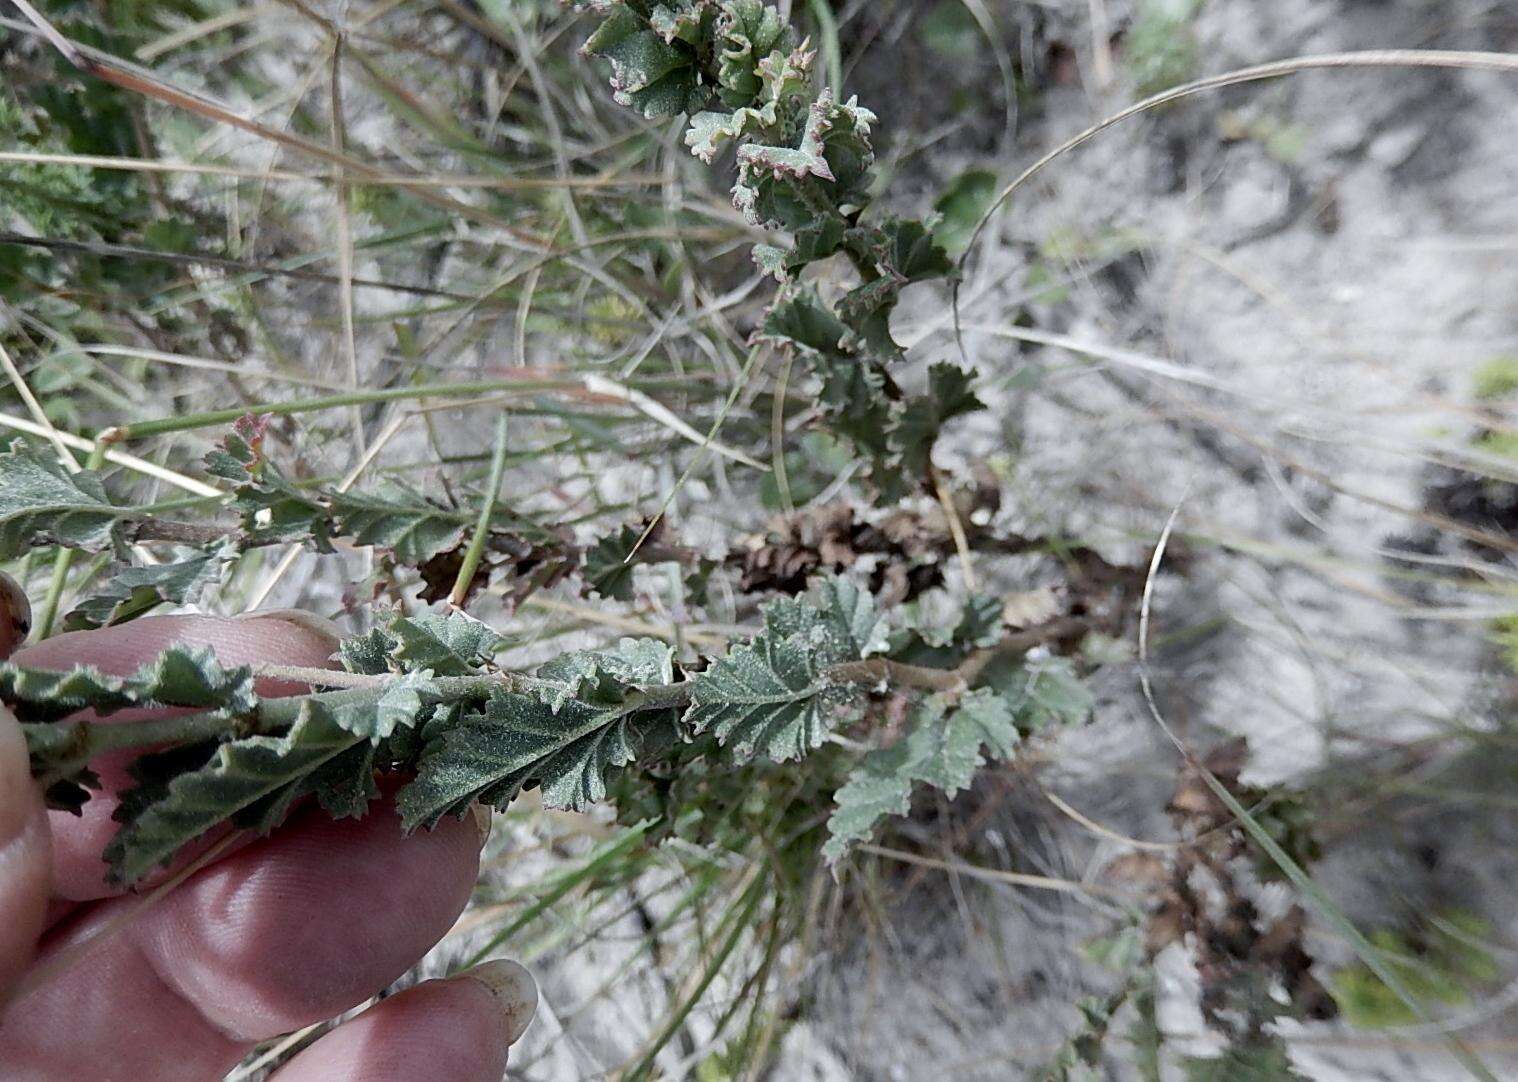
(64, 748)
(61, 749)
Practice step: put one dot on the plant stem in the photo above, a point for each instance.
(63, 561)
(476, 549)
(63, 748)
(209, 418)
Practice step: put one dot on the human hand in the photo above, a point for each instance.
(270, 936)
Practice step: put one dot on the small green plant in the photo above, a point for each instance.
(1160, 48)
(421, 696)
(803, 160)
(1444, 959)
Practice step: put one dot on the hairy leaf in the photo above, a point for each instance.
(940, 647)
(750, 31)
(788, 186)
(396, 518)
(41, 503)
(403, 703)
(772, 696)
(520, 740)
(451, 645)
(604, 675)
(184, 676)
(943, 749)
(240, 774)
(654, 68)
(133, 591)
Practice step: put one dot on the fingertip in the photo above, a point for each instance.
(440, 1029)
(513, 988)
(25, 855)
(269, 939)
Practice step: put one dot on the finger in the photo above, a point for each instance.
(24, 856)
(280, 638)
(285, 932)
(457, 1029)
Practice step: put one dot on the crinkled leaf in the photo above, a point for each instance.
(749, 32)
(1043, 694)
(133, 591)
(710, 131)
(41, 503)
(825, 171)
(608, 570)
(369, 653)
(240, 774)
(519, 741)
(935, 645)
(185, 676)
(403, 703)
(603, 676)
(943, 749)
(657, 77)
(901, 252)
(344, 787)
(801, 320)
(950, 394)
(396, 518)
(454, 644)
(771, 697)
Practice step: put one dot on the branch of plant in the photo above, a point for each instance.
(68, 747)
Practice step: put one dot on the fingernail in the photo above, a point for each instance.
(514, 990)
(481, 813)
(306, 621)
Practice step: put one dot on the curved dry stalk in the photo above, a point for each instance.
(1370, 58)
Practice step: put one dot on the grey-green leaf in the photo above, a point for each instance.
(42, 503)
(240, 774)
(133, 591)
(396, 518)
(181, 676)
(451, 645)
(603, 676)
(519, 740)
(771, 697)
(944, 749)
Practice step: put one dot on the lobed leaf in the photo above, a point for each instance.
(42, 503)
(604, 676)
(182, 676)
(608, 568)
(943, 749)
(454, 644)
(396, 518)
(772, 696)
(239, 775)
(133, 591)
(520, 740)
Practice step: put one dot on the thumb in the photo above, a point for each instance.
(25, 856)
(25, 841)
